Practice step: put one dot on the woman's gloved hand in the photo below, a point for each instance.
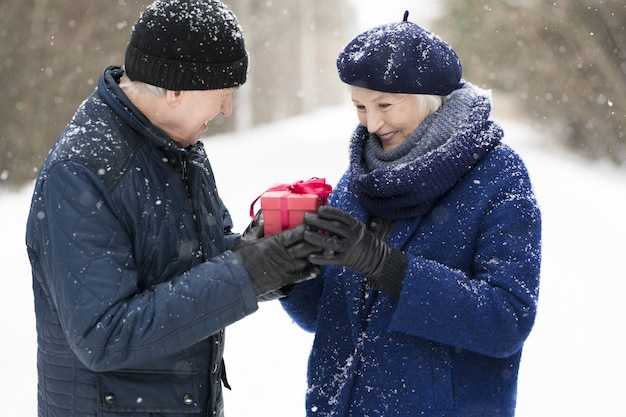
(348, 243)
(351, 244)
(278, 260)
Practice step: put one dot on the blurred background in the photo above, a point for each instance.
(560, 62)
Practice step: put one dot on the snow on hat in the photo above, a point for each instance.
(187, 45)
(400, 58)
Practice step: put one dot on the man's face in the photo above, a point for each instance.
(191, 116)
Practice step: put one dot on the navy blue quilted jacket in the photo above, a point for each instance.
(451, 345)
(132, 274)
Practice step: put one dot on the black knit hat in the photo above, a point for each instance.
(400, 58)
(187, 45)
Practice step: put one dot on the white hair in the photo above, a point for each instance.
(135, 88)
(429, 104)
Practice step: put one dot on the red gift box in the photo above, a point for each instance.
(284, 205)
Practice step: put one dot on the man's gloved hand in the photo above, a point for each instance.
(253, 232)
(277, 260)
(351, 244)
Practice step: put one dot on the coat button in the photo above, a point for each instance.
(109, 398)
(188, 399)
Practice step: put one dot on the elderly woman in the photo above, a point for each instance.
(430, 260)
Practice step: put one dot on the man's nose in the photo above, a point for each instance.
(227, 106)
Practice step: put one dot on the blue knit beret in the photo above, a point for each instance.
(400, 58)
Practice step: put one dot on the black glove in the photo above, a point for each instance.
(277, 260)
(351, 244)
(253, 232)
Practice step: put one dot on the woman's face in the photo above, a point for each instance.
(392, 117)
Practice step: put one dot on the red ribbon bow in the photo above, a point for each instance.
(313, 185)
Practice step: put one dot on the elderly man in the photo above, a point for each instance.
(136, 272)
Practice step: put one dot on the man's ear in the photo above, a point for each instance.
(173, 98)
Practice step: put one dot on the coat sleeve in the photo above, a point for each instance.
(302, 303)
(488, 305)
(89, 270)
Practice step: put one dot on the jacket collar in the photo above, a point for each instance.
(111, 93)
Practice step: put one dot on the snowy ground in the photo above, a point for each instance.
(573, 363)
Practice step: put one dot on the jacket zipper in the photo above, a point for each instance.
(185, 178)
(183, 165)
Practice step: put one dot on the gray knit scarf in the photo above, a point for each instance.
(406, 181)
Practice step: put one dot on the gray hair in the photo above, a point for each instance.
(429, 104)
(134, 88)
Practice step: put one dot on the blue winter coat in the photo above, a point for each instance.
(132, 274)
(451, 345)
